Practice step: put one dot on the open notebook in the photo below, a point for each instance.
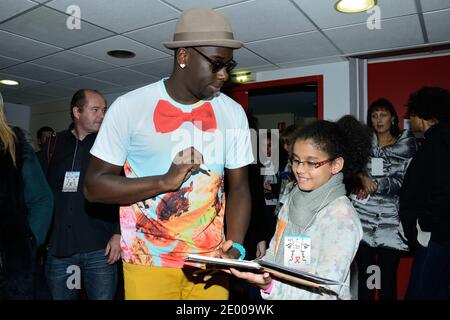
(278, 271)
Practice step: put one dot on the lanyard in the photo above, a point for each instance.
(75, 154)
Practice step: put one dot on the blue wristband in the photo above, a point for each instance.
(240, 248)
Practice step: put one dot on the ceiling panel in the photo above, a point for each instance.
(293, 47)
(246, 59)
(394, 33)
(159, 69)
(122, 90)
(123, 77)
(100, 48)
(9, 8)
(309, 62)
(325, 16)
(85, 82)
(277, 35)
(50, 26)
(188, 4)
(119, 15)
(431, 5)
(265, 67)
(263, 19)
(27, 98)
(6, 62)
(155, 36)
(18, 47)
(52, 90)
(438, 25)
(73, 62)
(24, 82)
(35, 72)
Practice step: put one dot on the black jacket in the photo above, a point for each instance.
(79, 226)
(425, 194)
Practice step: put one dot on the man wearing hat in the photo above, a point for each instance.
(175, 140)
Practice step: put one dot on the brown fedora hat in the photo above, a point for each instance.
(203, 27)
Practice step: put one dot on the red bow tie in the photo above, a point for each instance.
(168, 118)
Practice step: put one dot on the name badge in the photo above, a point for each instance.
(71, 181)
(377, 167)
(297, 251)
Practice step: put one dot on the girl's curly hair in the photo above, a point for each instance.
(347, 138)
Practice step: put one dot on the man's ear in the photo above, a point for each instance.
(337, 165)
(76, 112)
(182, 56)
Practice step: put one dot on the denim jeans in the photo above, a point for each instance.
(98, 277)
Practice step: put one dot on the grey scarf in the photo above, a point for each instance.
(303, 206)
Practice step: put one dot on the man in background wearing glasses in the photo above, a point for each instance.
(175, 140)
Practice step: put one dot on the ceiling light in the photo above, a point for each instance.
(354, 6)
(9, 82)
(121, 54)
(241, 76)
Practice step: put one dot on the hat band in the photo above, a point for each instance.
(196, 36)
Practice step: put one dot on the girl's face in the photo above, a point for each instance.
(381, 120)
(311, 166)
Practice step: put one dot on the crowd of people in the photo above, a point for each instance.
(130, 189)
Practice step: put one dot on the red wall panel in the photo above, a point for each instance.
(396, 80)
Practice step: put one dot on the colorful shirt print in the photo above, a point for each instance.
(163, 230)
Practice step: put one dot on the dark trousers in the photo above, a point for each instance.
(414, 291)
(387, 260)
(430, 274)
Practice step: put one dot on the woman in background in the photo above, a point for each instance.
(377, 200)
(26, 204)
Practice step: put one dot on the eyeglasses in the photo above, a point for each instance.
(217, 65)
(310, 164)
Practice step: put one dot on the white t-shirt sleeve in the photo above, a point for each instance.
(113, 138)
(239, 151)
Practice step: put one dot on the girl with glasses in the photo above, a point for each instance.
(318, 230)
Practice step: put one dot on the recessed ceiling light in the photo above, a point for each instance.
(9, 82)
(354, 6)
(121, 54)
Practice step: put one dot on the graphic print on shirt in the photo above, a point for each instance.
(174, 224)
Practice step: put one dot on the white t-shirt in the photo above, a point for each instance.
(161, 231)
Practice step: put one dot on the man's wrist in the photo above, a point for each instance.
(240, 248)
(164, 184)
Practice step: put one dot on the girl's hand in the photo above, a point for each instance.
(369, 185)
(262, 281)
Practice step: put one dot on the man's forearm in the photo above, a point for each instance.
(113, 189)
(238, 210)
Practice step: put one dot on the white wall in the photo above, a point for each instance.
(56, 114)
(336, 82)
(18, 115)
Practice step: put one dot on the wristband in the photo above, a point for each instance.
(239, 247)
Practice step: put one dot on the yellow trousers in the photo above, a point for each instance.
(162, 283)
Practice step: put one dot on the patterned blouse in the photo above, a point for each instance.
(379, 215)
(335, 233)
